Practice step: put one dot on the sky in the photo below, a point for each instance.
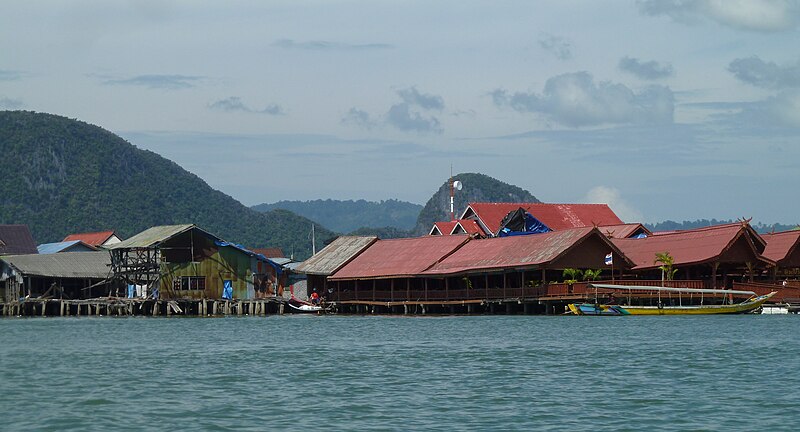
(678, 109)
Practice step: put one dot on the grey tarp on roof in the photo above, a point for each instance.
(152, 236)
(336, 255)
(94, 265)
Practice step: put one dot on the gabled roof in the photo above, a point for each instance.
(405, 257)
(65, 246)
(519, 252)
(442, 228)
(555, 216)
(335, 255)
(468, 226)
(16, 240)
(92, 238)
(691, 247)
(153, 236)
(782, 246)
(95, 265)
(624, 230)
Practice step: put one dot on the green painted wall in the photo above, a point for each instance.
(224, 263)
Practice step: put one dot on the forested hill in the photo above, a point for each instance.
(699, 223)
(62, 176)
(477, 188)
(348, 216)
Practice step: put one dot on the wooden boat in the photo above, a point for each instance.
(752, 304)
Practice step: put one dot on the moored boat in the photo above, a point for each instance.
(751, 304)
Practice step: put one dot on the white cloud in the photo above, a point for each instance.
(752, 15)
(575, 100)
(757, 72)
(410, 115)
(558, 46)
(234, 104)
(647, 70)
(612, 197)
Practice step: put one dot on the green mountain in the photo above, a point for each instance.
(62, 176)
(348, 216)
(476, 188)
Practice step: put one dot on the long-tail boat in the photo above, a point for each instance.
(752, 303)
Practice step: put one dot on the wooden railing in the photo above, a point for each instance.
(788, 294)
(553, 290)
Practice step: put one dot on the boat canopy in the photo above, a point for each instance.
(669, 289)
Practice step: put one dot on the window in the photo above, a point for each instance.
(190, 283)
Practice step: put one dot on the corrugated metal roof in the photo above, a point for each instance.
(64, 246)
(335, 255)
(399, 257)
(470, 226)
(555, 216)
(92, 238)
(273, 252)
(95, 265)
(624, 230)
(517, 251)
(782, 245)
(687, 247)
(16, 239)
(152, 236)
(444, 228)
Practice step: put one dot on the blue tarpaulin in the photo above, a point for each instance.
(528, 224)
(227, 290)
(221, 243)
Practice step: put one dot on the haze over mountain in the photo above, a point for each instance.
(62, 176)
(348, 216)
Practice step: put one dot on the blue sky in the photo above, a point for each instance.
(679, 109)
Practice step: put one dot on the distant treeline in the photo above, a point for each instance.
(670, 225)
(347, 216)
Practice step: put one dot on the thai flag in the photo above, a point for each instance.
(609, 259)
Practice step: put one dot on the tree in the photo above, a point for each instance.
(667, 262)
(590, 275)
(572, 275)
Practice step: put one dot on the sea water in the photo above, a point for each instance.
(401, 373)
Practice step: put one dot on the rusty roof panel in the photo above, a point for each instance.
(624, 230)
(555, 216)
(400, 257)
(515, 251)
(335, 255)
(16, 239)
(781, 245)
(686, 247)
(92, 238)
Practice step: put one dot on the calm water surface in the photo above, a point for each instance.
(399, 373)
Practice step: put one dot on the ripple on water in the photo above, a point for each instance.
(339, 372)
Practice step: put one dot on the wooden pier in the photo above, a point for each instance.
(142, 307)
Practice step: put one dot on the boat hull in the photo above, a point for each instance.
(739, 308)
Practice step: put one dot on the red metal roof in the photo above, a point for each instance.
(470, 226)
(273, 252)
(555, 216)
(517, 251)
(444, 228)
(400, 257)
(624, 230)
(694, 246)
(92, 238)
(781, 245)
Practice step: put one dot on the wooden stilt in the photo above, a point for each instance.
(239, 308)
(214, 308)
